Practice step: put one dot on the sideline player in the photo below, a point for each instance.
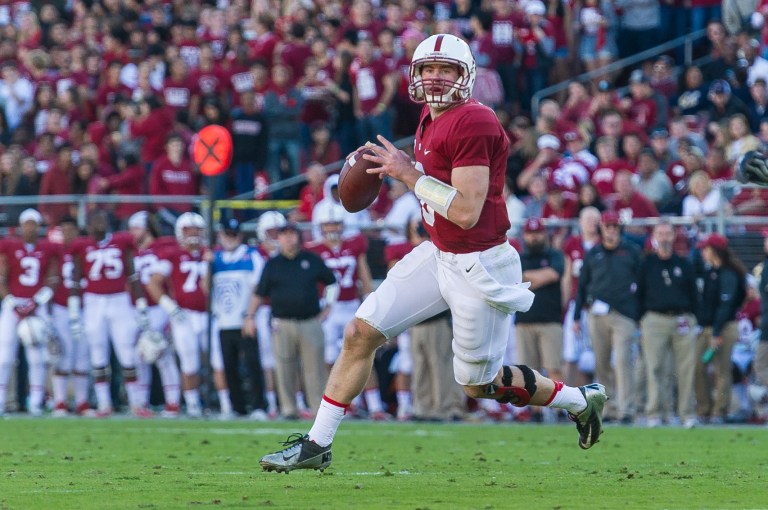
(104, 260)
(346, 257)
(150, 316)
(28, 270)
(267, 229)
(185, 270)
(468, 266)
(66, 314)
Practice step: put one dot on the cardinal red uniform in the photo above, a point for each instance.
(107, 309)
(343, 261)
(473, 272)
(26, 268)
(184, 272)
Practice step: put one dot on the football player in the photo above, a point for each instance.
(346, 257)
(183, 269)
(150, 316)
(467, 266)
(28, 274)
(66, 313)
(577, 351)
(104, 261)
(266, 232)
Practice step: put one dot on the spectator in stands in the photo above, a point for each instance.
(311, 193)
(152, 122)
(13, 183)
(536, 49)
(722, 102)
(628, 202)
(173, 174)
(651, 181)
(544, 162)
(249, 142)
(577, 102)
(375, 85)
(129, 180)
(283, 104)
(596, 26)
(16, 94)
(741, 139)
(717, 167)
(589, 197)
(758, 104)
(505, 24)
(702, 199)
(608, 163)
(659, 144)
(640, 106)
(662, 78)
(722, 296)
(537, 197)
(322, 148)
(58, 180)
(640, 23)
(692, 96)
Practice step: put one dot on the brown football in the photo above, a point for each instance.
(357, 188)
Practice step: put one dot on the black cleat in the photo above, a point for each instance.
(300, 453)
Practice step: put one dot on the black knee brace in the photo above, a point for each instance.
(129, 374)
(515, 395)
(100, 374)
(529, 378)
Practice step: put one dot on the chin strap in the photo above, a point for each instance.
(508, 394)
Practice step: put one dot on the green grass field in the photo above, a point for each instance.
(165, 464)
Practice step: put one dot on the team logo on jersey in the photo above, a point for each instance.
(304, 265)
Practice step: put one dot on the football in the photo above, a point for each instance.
(357, 188)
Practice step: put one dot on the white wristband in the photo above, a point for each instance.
(9, 301)
(331, 294)
(43, 295)
(73, 307)
(435, 193)
(168, 304)
(141, 304)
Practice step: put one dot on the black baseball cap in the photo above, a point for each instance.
(231, 226)
(289, 226)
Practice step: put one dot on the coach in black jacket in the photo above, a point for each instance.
(607, 288)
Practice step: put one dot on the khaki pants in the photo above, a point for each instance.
(298, 347)
(613, 333)
(540, 345)
(436, 394)
(715, 376)
(661, 338)
(761, 363)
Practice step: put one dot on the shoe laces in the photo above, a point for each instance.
(294, 439)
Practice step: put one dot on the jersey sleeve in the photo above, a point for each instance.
(473, 137)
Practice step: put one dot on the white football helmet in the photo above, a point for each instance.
(330, 220)
(33, 331)
(442, 49)
(151, 345)
(189, 220)
(270, 220)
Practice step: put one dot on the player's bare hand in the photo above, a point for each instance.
(249, 328)
(393, 162)
(576, 327)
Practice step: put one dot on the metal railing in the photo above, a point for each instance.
(685, 40)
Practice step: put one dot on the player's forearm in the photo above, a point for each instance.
(253, 305)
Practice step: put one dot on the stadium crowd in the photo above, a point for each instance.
(104, 98)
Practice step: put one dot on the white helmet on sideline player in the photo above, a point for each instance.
(189, 220)
(33, 331)
(270, 220)
(151, 345)
(442, 49)
(330, 220)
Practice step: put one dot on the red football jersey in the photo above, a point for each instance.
(573, 248)
(28, 265)
(146, 258)
(104, 264)
(343, 262)
(465, 135)
(67, 273)
(185, 271)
